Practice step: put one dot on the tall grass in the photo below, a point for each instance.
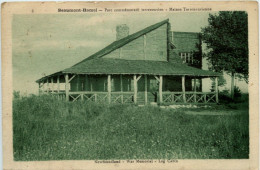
(45, 128)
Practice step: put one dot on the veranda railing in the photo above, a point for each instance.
(115, 97)
(128, 97)
(189, 97)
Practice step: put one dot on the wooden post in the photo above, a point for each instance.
(95, 97)
(183, 89)
(43, 86)
(195, 87)
(86, 83)
(82, 97)
(52, 85)
(145, 88)
(58, 84)
(91, 83)
(39, 88)
(109, 88)
(160, 89)
(48, 88)
(216, 88)
(144, 46)
(195, 90)
(135, 89)
(121, 88)
(67, 86)
(77, 87)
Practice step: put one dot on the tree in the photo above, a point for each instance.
(226, 38)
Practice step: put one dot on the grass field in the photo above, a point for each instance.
(47, 129)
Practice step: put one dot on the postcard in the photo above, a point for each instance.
(130, 85)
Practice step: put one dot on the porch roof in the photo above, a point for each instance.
(121, 66)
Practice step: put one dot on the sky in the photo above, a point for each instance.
(47, 43)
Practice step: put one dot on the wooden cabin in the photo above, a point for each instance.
(151, 65)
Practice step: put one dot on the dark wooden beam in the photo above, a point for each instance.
(58, 83)
(160, 88)
(145, 89)
(135, 89)
(67, 86)
(109, 88)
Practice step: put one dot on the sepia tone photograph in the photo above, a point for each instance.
(130, 85)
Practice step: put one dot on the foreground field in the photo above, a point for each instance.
(47, 129)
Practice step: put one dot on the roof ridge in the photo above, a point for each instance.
(121, 42)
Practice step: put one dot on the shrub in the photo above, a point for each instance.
(224, 97)
(237, 93)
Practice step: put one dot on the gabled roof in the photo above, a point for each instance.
(95, 64)
(119, 43)
(121, 66)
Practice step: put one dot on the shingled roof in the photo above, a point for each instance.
(121, 66)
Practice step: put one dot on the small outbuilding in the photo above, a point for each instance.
(151, 65)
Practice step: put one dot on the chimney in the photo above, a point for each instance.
(122, 31)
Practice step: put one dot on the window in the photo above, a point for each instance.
(187, 57)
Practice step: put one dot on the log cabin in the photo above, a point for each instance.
(154, 64)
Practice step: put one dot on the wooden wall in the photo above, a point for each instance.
(152, 46)
(186, 42)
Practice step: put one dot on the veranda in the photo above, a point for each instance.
(127, 88)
